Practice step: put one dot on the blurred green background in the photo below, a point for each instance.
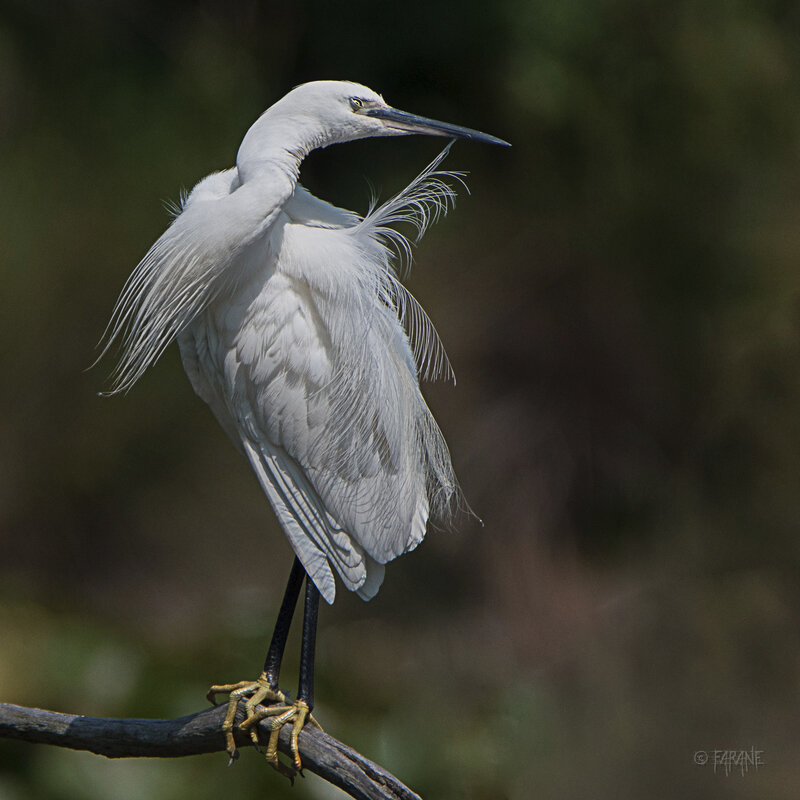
(620, 298)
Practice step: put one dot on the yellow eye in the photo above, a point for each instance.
(356, 104)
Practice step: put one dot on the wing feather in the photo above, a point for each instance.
(315, 536)
(189, 265)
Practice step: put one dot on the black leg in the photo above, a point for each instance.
(272, 665)
(305, 689)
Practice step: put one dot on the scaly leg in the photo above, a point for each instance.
(299, 712)
(265, 688)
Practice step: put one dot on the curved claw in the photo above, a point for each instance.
(298, 713)
(257, 692)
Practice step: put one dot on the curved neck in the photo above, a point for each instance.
(278, 140)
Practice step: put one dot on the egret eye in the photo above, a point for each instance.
(356, 104)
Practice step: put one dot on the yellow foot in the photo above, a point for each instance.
(258, 691)
(299, 715)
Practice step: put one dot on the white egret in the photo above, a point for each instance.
(295, 329)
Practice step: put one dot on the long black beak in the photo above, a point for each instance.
(411, 123)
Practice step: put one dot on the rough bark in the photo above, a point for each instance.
(195, 734)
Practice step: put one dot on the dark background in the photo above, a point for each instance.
(620, 298)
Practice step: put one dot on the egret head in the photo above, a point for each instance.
(326, 112)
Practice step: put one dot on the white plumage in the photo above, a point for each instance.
(294, 328)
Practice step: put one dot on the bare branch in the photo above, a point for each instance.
(198, 733)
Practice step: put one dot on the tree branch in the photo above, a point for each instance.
(195, 734)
